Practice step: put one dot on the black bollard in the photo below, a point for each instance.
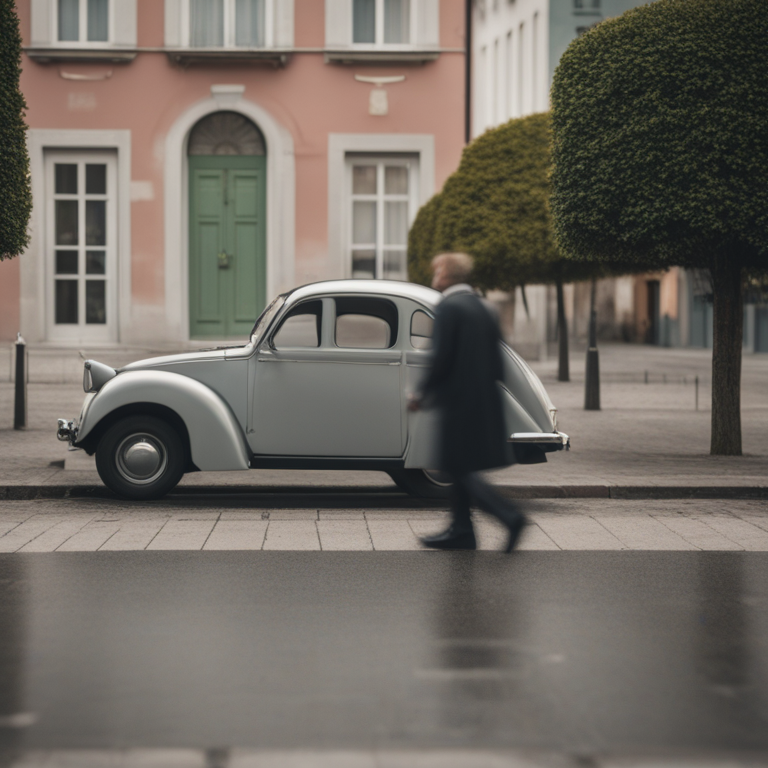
(592, 384)
(20, 399)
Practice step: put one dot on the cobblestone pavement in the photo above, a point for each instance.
(97, 525)
(646, 434)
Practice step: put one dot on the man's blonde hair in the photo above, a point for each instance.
(458, 265)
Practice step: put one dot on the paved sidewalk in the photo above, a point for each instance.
(97, 525)
(646, 436)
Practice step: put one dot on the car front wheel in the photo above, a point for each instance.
(141, 457)
(424, 483)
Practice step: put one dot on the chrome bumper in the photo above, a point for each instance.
(67, 431)
(557, 440)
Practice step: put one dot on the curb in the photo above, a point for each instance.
(384, 497)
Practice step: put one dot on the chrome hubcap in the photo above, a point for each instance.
(141, 458)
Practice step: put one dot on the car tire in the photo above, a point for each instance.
(141, 458)
(424, 483)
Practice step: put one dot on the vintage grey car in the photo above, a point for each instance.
(323, 382)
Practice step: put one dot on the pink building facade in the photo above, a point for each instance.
(190, 159)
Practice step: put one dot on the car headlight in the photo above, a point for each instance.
(96, 375)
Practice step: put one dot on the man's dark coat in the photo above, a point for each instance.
(466, 365)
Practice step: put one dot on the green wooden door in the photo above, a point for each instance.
(227, 244)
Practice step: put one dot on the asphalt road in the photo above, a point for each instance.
(577, 652)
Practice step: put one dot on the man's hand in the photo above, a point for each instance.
(414, 403)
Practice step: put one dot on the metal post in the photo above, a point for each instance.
(592, 388)
(696, 387)
(20, 399)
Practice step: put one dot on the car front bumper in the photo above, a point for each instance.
(67, 431)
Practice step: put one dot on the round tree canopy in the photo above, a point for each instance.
(496, 207)
(660, 136)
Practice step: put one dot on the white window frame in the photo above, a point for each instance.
(380, 198)
(229, 27)
(340, 145)
(379, 30)
(83, 41)
(82, 331)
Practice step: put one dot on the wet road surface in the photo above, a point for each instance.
(578, 652)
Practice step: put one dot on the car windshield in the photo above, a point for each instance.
(265, 319)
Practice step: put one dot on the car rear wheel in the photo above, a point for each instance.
(424, 483)
(141, 457)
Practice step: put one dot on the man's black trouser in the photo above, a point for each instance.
(470, 486)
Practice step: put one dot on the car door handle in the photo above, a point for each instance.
(223, 259)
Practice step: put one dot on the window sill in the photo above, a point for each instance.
(350, 56)
(187, 56)
(98, 55)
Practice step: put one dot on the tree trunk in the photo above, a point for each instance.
(592, 379)
(563, 374)
(726, 355)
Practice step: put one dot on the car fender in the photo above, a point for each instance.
(423, 425)
(216, 440)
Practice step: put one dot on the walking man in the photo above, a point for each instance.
(462, 384)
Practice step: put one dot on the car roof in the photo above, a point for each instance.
(395, 288)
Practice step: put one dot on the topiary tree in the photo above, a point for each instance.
(15, 194)
(660, 154)
(496, 207)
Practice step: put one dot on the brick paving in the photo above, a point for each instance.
(71, 525)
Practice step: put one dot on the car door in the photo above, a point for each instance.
(327, 383)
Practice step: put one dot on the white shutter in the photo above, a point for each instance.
(125, 22)
(427, 24)
(42, 23)
(283, 23)
(338, 23)
(173, 37)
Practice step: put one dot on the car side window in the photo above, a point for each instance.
(364, 322)
(421, 330)
(301, 327)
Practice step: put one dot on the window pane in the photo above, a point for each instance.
(298, 331)
(95, 302)
(364, 263)
(364, 21)
(66, 222)
(421, 330)
(394, 265)
(250, 22)
(206, 22)
(66, 301)
(397, 26)
(363, 222)
(66, 262)
(396, 223)
(98, 20)
(364, 180)
(96, 179)
(66, 178)
(362, 332)
(69, 20)
(396, 180)
(95, 222)
(95, 262)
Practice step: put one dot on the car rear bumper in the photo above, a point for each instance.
(547, 441)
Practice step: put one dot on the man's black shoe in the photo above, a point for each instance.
(515, 529)
(451, 539)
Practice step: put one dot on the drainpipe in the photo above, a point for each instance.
(468, 75)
